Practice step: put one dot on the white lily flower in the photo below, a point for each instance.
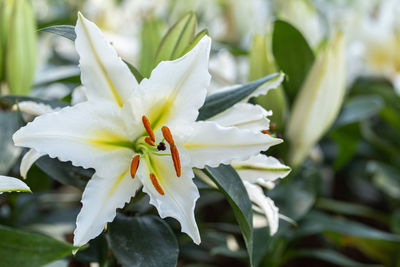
(121, 129)
(10, 184)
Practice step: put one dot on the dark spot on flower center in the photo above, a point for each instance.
(161, 146)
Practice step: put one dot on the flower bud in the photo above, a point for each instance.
(17, 45)
(319, 100)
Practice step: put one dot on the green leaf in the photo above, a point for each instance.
(67, 31)
(144, 241)
(150, 40)
(317, 222)
(351, 209)
(9, 124)
(179, 36)
(359, 108)
(231, 185)
(218, 102)
(139, 77)
(64, 172)
(293, 55)
(19, 248)
(21, 48)
(326, 255)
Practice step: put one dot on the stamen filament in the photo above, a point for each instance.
(149, 141)
(167, 135)
(134, 165)
(155, 183)
(176, 160)
(147, 126)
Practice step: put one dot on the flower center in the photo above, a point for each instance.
(146, 146)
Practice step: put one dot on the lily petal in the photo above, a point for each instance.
(244, 116)
(180, 193)
(10, 184)
(211, 144)
(27, 161)
(87, 134)
(266, 204)
(34, 108)
(100, 200)
(176, 89)
(104, 75)
(261, 169)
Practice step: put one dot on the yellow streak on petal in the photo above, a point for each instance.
(117, 182)
(103, 69)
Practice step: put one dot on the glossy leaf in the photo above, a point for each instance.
(359, 108)
(19, 248)
(64, 172)
(144, 241)
(67, 31)
(218, 102)
(231, 185)
(317, 222)
(292, 54)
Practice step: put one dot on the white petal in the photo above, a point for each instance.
(78, 95)
(27, 161)
(180, 195)
(34, 108)
(90, 135)
(211, 144)
(100, 200)
(261, 169)
(10, 184)
(176, 89)
(103, 73)
(244, 116)
(266, 204)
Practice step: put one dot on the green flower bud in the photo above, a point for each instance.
(262, 63)
(319, 100)
(17, 45)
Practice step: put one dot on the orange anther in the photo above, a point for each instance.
(176, 160)
(273, 126)
(147, 126)
(167, 135)
(149, 141)
(134, 165)
(155, 183)
(266, 132)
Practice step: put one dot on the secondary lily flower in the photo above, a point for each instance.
(10, 184)
(137, 135)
